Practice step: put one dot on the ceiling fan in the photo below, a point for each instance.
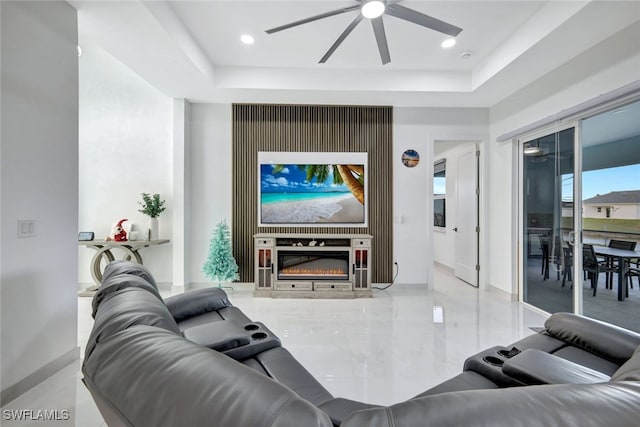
(374, 10)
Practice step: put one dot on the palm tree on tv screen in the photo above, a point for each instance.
(350, 175)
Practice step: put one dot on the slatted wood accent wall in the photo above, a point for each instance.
(312, 129)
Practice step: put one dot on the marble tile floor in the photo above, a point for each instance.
(379, 350)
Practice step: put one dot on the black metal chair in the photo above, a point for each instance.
(567, 252)
(633, 272)
(593, 268)
(551, 253)
(611, 262)
(544, 248)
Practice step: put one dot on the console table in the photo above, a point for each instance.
(103, 248)
(312, 265)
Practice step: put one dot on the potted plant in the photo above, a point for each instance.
(153, 207)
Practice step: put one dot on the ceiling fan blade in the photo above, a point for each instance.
(313, 18)
(381, 39)
(416, 17)
(340, 39)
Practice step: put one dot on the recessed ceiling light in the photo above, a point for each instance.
(372, 9)
(79, 50)
(619, 111)
(448, 43)
(247, 39)
(465, 55)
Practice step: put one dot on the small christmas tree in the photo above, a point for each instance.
(220, 265)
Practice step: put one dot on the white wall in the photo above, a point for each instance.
(181, 238)
(415, 128)
(535, 102)
(211, 179)
(418, 128)
(126, 148)
(39, 155)
(144, 132)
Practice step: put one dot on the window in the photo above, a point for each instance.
(439, 193)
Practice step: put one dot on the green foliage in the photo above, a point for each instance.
(151, 205)
(220, 265)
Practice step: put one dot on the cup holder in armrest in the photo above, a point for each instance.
(508, 354)
(492, 360)
(261, 339)
(259, 336)
(488, 363)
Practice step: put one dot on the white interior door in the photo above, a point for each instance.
(466, 221)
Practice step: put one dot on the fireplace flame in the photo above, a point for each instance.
(292, 271)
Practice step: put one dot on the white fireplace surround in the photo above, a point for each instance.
(349, 276)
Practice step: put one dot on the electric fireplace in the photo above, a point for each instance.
(313, 265)
(303, 265)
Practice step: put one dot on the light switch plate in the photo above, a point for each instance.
(26, 228)
(438, 314)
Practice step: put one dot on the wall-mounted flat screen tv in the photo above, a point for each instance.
(312, 189)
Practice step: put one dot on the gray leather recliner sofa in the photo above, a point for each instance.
(195, 360)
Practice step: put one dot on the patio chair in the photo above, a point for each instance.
(567, 252)
(591, 265)
(551, 254)
(611, 262)
(633, 272)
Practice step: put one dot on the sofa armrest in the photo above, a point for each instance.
(606, 404)
(196, 302)
(608, 341)
(538, 367)
(237, 341)
(220, 336)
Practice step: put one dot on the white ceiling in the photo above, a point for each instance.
(192, 49)
(620, 123)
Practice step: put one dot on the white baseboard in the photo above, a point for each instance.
(14, 391)
(503, 293)
(244, 286)
(443, 266)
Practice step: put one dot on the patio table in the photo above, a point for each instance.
(621, 255)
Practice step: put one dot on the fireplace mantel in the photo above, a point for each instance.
(312, 265)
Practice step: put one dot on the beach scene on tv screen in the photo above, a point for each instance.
(312, 194)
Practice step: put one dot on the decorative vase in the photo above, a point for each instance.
(153, 229)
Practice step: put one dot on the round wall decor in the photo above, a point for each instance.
(410, 158)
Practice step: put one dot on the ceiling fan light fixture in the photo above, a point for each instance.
(373, 8)
(531, 150)
(450, 42)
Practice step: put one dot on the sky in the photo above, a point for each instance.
(603, 181)
(293, 180)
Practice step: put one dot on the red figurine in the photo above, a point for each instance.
(119, 234)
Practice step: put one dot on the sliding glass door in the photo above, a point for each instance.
(547, 202)
(590, 266)
(611, 214)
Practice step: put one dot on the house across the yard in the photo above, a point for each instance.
(616, 204)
